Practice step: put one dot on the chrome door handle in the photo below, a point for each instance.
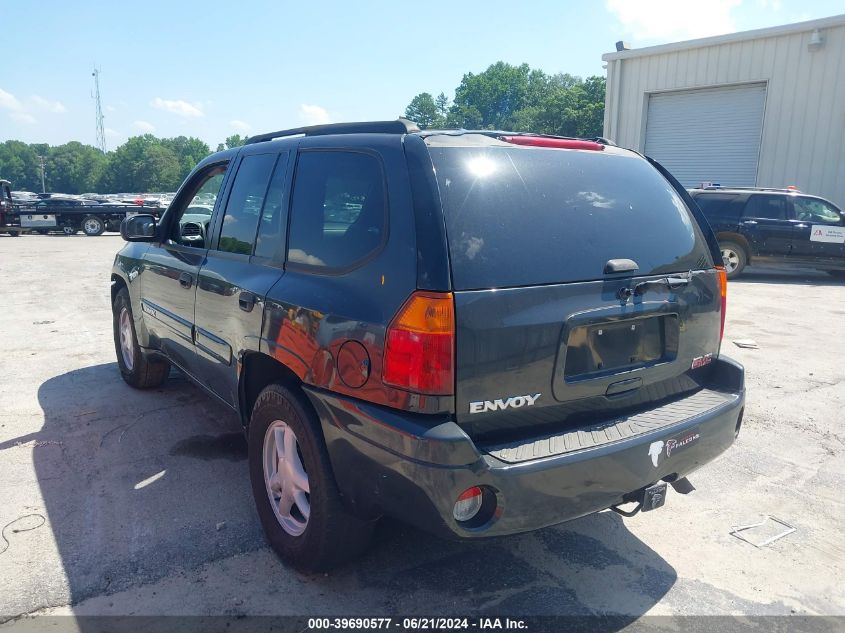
(802, 226)
(750, 222)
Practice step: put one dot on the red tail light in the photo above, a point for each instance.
(723, 289)
(419, 353)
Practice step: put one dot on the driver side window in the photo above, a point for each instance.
(813, 210)
(194, 207)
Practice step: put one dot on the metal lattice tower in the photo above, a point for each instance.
(101, 134)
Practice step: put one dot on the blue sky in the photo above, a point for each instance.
(210, 69)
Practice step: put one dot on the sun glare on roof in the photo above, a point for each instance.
(481, 166)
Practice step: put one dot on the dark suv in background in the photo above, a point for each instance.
(783, 227)
(476, 332)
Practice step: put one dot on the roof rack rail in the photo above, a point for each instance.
(498, 133)
(399, 126)
(790, 189)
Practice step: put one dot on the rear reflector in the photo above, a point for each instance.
(559, 143)
(420, 345)
(723, 289)
(468, 504)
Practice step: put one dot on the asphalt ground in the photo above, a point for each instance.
(117, 501)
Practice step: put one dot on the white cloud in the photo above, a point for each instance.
(240, 126)
(177, 106)
(111, 132)
(57, 107)
(670, 20)
(110, 108)
(22, 117)
(10, 102)
(313, 114)
(144, 126)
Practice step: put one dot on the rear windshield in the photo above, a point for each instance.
(529, 216)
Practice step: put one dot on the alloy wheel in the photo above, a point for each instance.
(285, 478)
(731, 259)
(127, 340)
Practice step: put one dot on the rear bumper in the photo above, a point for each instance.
(413, 468)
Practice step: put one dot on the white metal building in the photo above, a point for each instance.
(760, 108)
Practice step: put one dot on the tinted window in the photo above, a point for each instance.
(245, 201)
(766, 207)
(815, 210)
(273, 224)
(717, 204)
(518, 216)
(338, 209)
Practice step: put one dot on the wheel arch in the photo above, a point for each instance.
(257, 371)
(729, 236)
(117, 282)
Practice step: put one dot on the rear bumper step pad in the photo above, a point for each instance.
(609, 431)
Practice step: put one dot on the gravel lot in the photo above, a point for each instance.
(146, 504)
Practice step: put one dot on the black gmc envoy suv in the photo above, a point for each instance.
(476, 332)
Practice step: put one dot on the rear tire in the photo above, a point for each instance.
(93, 226)
(138, 368)
(325, 536)
(69, 230)
(734, 258)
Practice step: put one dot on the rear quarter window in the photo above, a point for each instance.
(339, 209)
(718, 204)
(529, 216)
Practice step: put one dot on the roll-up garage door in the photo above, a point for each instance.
(707, 135)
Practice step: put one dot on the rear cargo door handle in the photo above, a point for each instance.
(186, 280)
(246, 301)
(623, 387)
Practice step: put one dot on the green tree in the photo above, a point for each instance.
(521, 99)
(236, 140)
(442, 103)
(490, 99)
(142, 164)
(19, 165)
(424, 111)
(188, 150)
(74, 168)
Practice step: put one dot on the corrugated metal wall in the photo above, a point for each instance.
(803, 140)
(708, 134)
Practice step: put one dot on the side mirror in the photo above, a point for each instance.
(138, 228)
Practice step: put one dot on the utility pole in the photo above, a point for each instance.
(41, 162)
(101, 134)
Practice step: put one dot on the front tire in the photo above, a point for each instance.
(295, 492)
(734, 258)
(138, 368)
(93, 226)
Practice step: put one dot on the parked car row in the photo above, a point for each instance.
(90, 213)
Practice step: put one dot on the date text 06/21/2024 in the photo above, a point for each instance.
(416, 624)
